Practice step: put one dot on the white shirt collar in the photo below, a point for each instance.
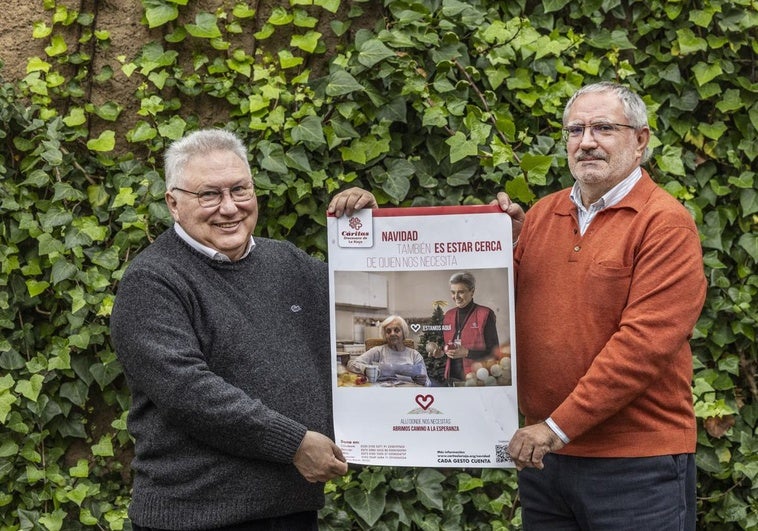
(612, 196)
(209, 251)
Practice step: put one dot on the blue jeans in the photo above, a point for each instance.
(613, 494)
(307, 521)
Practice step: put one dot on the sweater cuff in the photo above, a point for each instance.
(283, 438)
(559, 432)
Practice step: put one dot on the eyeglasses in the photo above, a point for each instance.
(210, 198)
(598, 130)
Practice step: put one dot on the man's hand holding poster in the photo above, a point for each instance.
(423, 346)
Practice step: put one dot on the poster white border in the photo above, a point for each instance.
(464, 425)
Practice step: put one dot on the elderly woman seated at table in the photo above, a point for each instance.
(397, 362)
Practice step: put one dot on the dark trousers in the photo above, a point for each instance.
(609, 494)
(307, 521)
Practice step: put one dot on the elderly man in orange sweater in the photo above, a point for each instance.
(609, 285)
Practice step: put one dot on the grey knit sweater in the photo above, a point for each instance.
(228, 366)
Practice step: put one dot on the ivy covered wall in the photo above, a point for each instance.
(425, 102)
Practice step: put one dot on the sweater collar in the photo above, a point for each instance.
(635, 198)
(208, 251)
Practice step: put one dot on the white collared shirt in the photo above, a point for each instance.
(610, 198)
(209, 251)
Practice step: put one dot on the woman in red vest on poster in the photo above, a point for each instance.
(468, 330)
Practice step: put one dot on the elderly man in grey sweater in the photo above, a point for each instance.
(224, 340)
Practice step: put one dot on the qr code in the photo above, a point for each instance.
(501, 453)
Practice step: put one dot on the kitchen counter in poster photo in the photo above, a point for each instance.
(423, 346)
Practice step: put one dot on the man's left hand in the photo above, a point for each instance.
(531, 443)
(350, 200)
(319, 459)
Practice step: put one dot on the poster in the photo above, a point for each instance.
(418, 263)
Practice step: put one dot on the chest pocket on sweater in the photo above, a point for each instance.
(607, 286)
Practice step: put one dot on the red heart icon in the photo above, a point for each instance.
(425, 401)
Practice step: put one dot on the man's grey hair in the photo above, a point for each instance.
(199, 143)
(635, 109)
(464, 278)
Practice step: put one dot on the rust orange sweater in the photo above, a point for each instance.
(603, 322)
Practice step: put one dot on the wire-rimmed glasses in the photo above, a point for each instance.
(212, 197)
(597, 130)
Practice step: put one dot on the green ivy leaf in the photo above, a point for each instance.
(141, 132)
(104, 374)
(8, 448)
(128, 69)
(90, 226)
(126, 196)
(86, 517)
(272, 157)
(309, 130)
(6, 402)
(10, 359)
(36, 64)
(308, 42)
(57, 216)
(466, 482)
(105, 142)
(396, 187)
(265, 32)
(57, 46)
(713, 130)
(80, 470)
(429, 488)
(174, 129)
(75, 391)
(342, 83)
(705, 72)
(75, 117)
(30, 388)
(461, 147)
(369, 505)
(204, 27)
(288, 60)
(338, 27)
(242, 10)
(536, 167)
(6, 382)
(280, 17)
(689, 42)
(108, 111)
(159, 13)
(104, 447)
(330, 5)
(372, 52)
(107, 258)
(518, 189)
(670, 160)
(37, 179)
(36, 287)
(303, 20)
(62, 270)
(78, 494)
(502, 153)
(749, 242)
(40, 31)
(54, 520)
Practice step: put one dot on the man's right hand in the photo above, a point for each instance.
(514, 210)
(531, 443)
(318, 459)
